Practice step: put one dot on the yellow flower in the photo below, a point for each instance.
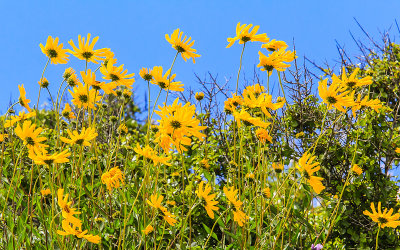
(240, 217)
(149, 153)
(42, 157)
(77, 231)
(278, 167)
(298, 135)
(83, 98)
(67, 112)
(86, 135)
(127, 93)
(366, 102)
(112, 178)
(172, 203)
(123, 129)
(274, 45)
(68, 73)
(244, 116)
(163, 81)
(351, 81)
(21, 117)
(199, 96)
(145, 74)
(357, 169)
(44, 83)
(243, 34)
(30, 136)
(204, 163)
(263, 135)
(90, 79)
(86, 51)
(179, 123)
(45, 192)
(273, 61)
(208, 199)
(267, 192)
(175, 174)
(183, 47)
(148, 229)
(397, 150)
(385, 218)
(67, 212)
(308, 168)
(168, 217)
(117, 75)
(231, 193)
(155, 201)
(55, 51)
(22, 98)
(332, 96)
(231, 104)
(73, 80)
(3, 137)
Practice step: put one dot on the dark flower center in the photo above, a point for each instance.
(245, 38)
(162, 85)
(268, 67)
(147, 77)
(87, 55)
(382, 220)
(306, 175)
(71, 82)
(114, 77)
(351, 84)
(180, 49)
(52, 53)
(83, 98)
(175, 124)
(79, 141)
(331, 99)
(30, 141)
(271, 49)
(49, 161)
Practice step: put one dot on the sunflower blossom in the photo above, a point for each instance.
(334, 95)
(208, 199)
(385, 218)
(352, 81)
(117, 75)
(22, 98)
(231, 193)
(308, 168)
(83, 98)
(84, 138)
(149, 153)
(243, 34)
(67, 112)
(182, 46)
(77, 231)
(68, 212)
(274, 45)
(22, 116)
(30, 136)
(112, 178)
(43, 158)
(86, 52)
(54, 51)
(165, 81)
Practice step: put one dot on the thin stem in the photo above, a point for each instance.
(41, 79)
(377, 234)
(240, 67)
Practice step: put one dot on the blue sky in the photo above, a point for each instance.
(134, 30)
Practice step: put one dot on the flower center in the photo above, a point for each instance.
(180, 49)
(79, 141)
(245, 38)
(382, 220)
(162, 85)
(30, 141)
(52, 53)
(114, 77)
(147, 77)
(83, 98)
(351, 84)
(175, 124)
(331, 100)
(87, 55)
(268, 67)
(49, 161)
(306, 175)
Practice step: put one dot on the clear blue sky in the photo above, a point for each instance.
(135, 30)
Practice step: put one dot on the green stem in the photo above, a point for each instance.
(376, 241)
(240, 67)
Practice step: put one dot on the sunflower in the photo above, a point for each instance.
(55, 52)
(22, 98)
(42, 157)
(67, 73)
(240, 217)
(117, 75)
(148, 229)
(231, 193)
(271, 62)
(146, 74)
(208, 199)
(366, 102)
(90, 79)
(168, 217)
(44, 83)
(232, 103)
(179, 123)
(45, 192)
(77, 231)
(334, 95)
(351, 81)
(274, 45)
(67, 211)
(67, 112)
(243, 34)
(308, 168)
(155, 201)
(263, 135)
(149, 153)
(385, 218)
(21, 117)
(163, 81)
(86, 51)
(199, 96)
(86, 135)
(247, 119)
(3, 137)
(112, 178)
(183, 46)
(356, 169)
(83, 98)
(278, 167)
(30, 136)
